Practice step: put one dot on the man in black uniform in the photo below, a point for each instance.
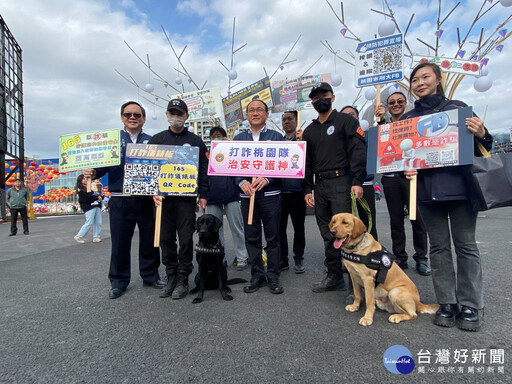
(335, 167)
(127, 211)
(178, 212)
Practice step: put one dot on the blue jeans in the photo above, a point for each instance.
(465, 285)
(92, 219)
(236, 225)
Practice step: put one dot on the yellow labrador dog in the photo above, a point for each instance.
(397, 294)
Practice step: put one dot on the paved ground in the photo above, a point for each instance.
(58, 326)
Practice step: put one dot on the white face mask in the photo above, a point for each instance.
(176, 121)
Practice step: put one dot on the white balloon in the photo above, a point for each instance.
(207, 133)
(277, 120)
(178, 80)
(232, 75)
(154, 117)
(245, 123)
(370, 94)
(149, 87)
(506, 3)
(336, 80)
(191, 128)
(482, 84)
(484, 71)
(386, 28)
(364, 125)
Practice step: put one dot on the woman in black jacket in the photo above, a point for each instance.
(446, 202)
(90, 203)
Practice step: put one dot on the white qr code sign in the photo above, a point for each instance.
(379, 61)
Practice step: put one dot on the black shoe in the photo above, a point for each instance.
(284, 267)
(468, 319)
(26, 233)
(255, 284)
(423, 269)
(402, 264)
(114, 293)
(181, 288)
(158, 284)
(332, 282)
(299, 266)
(169, 287)
(275, 286)
(445, 315)
(12, 234)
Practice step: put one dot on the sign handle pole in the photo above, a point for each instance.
(443, 80)
(377, 101)
(298, 119)
(251, 207)
(195, 127)
(89, 186)
(158, 221)
(413, 186)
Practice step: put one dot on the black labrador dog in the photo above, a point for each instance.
(212, 269)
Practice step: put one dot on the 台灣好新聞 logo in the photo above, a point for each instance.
(398, 359)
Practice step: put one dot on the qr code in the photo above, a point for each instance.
(141, 179)
(432, 158)
(387, 59)
(448, 156)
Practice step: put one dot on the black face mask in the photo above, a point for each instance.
(323, 105)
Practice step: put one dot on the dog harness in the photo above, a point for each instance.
(214, 249)
(380, 261)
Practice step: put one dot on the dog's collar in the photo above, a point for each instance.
(214, 249)
(359, 242)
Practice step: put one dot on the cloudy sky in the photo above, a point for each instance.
(71, 48)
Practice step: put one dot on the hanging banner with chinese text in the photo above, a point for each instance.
(205, 104)
(235, 104)
(293, 95)
(462, 67)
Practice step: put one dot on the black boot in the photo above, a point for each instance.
(169, 288)
(181, 288)
(332, 282)
(445, 315)
(468, 319)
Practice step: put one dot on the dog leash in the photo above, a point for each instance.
(365, 206)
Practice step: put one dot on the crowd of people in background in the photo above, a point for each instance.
(335, 173)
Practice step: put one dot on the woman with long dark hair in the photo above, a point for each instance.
(90, 203)
(447, 203)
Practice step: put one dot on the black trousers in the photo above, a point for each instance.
(293, 205)
(14, 219)
(396, 192)
(178, 216)
(267, 211)
(332, 196)
(125, 213)
(369, 196)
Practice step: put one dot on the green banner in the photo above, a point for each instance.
(89, 150)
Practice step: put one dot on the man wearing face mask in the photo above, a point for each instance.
(178, 212)
(335, 167)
